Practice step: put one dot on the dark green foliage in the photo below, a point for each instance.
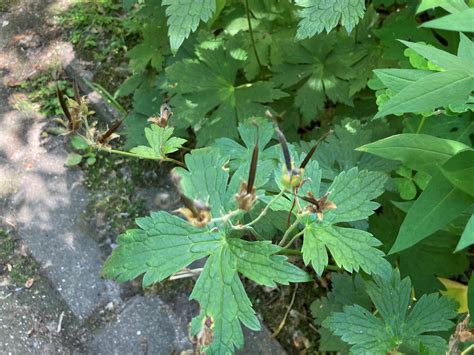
(392, 100)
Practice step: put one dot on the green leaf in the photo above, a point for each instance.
(445, 60)
(424, 262)
(161, 143)
(399, 79)
(256, 261)
(459, 170)
(456, 128)
(462, 21)
(319, 15)
(346, 289)
(452, 6)
(406, 188)
(79, 143)
(91, 160)
(451, 87)
(205, 178)
(351, 249)
(184, 17)
(222, 298)
(419, 152)
(353, 191)
(73, 159)
(208, 87)
(470, 295)
(397, 323)
(467, 237)
(318, 68)
(164, 245)
(438, 204)
(466, 47)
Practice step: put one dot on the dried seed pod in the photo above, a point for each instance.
(110, 134)
(248, 193)
(165, 115)
(197, 213)
(318, 206)
(313, 149)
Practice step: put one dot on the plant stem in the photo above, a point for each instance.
(422, 123)
(333, 268)
(289, 252)
(288, 231)
(128, 154)
(247, 11)
(264, 211)
(174, 161)
(296, 236)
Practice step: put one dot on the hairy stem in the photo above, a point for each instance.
(128, 154)
(288, 232)
(296, 236)
(252, 38)
(264, 211)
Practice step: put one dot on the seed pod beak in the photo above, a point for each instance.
(286, 151)
(62, 102)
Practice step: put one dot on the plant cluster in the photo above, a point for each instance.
(306, 157)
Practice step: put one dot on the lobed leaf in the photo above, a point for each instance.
(161, 143)
(319, 15)
(222, 297)
(395, 325)
(352, 249)
(184, 17)
(256, 261)
(163, 245)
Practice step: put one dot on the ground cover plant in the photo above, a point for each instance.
(311, 140)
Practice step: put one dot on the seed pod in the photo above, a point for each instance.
(318, 206)
(165, 115)
(313, 149)
(286, 151)
(109, 134)
(62, 102)
(197, 213)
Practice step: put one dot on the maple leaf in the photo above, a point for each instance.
(398, 325)
(320, 15)
(208, 86)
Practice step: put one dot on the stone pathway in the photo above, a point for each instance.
(69, 308)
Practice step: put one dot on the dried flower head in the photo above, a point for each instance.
(162, 119)
(197, 213)
(318, 206)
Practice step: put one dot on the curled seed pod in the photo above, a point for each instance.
(318, 206)
(165, 115)
(108, 135)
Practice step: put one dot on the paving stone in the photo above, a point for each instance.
(30, 320)
(147, 325)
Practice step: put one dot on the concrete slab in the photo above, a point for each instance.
(147, 325)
